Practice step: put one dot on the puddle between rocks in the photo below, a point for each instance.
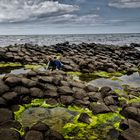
(132, 80)
(56, 117)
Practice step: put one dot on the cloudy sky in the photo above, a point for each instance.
(69, 16)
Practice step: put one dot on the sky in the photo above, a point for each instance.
(69, 16)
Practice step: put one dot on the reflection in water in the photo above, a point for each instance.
(131, 80)
(106, 82)
(20, 71)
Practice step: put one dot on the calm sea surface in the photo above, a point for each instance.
(117, 39)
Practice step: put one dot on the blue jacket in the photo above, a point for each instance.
(58, 64)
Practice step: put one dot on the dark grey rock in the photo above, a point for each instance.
(13, 81)
(36, 92)
(20, 90)
(91, 88)
(9, 134)
(3, 102)
(3, 87)
(6, 115)
(9, 96)
(84, 117)
(11, 124)
(65, 90)
(34, 135)
(28, 83)
(131, 113)
(99, 108)
(105, 91)
(130, 134)
(39, 126)
(53, 135)
(66, 100)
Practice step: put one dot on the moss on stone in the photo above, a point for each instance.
(19, 112)
(137, 99)
(35, 67)
(21, 131)
(98, 123)
(105, 74)
(10, 64)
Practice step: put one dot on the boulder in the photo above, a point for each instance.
(46, 79)
(20, 90)
(39, 126)
(131, 113)
(51, 101)
(50, 94)
(53, 135)
(9, 96)
(28, 83)
(105, 91)
(99, 108)
(66, 100)
(3, 102)
(130, 134)
(84, 117)
(64, 83)
(95, 96)
(65, 90)
(80, 94)
(6, 115)
(109, 100)
(34, 135)
(13, 81)
(77, 84)
(3, 87)
(36, 92)
(125, 124)
(91, 88)
(9, 134)
(11, 124)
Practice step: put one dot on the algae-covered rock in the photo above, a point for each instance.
(55, 118)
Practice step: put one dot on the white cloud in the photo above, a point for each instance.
(74, 19)
(29, 10)
(125, 3)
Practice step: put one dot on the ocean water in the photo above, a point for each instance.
(116, 39)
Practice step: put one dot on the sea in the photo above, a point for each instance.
(115, 39)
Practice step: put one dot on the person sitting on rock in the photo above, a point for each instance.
(51, 64)
(58, 63)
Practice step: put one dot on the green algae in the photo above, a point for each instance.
(21, 131)
(96, 75)
(34, 66)
(136, 100)
(10, 65)
(18, 113)
(74, 73)
(105, 74)
(98, 123)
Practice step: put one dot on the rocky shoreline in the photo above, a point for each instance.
(57, 87)
(83, 57)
